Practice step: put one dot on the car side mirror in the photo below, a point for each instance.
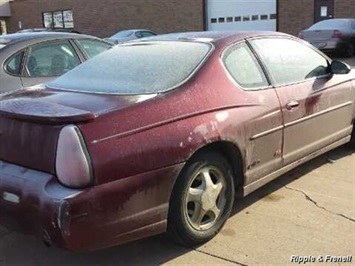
(338, 67)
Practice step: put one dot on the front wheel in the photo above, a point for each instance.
(202, 199)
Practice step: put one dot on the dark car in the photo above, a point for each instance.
(332, 35)
(161, 134)
(128, 35)
(38, 57)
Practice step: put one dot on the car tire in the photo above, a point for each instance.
(202, 199)
(349, 50)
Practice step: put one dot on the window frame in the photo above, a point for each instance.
(21, 68)
(257, 61)
(267, 70)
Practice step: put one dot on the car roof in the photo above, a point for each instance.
(40, 36)
(211, 36)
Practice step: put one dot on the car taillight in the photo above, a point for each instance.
(336, 34)
(73, 164)
(300, 35)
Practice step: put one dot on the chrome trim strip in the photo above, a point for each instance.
(318, 114)
(267, 132)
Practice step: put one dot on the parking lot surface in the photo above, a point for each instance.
(308, 212)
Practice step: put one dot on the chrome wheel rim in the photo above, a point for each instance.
(205, 198)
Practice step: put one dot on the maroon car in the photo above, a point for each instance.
(161, 134)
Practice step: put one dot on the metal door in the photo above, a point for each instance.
(324, 9)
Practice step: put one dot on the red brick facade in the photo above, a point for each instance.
(105, 17)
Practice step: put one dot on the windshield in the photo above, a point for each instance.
(330, 24)
(122, 34)
(140, 68)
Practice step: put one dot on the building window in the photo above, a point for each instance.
(246, 18)
(273, 16)
(229, 19)
(264, 17)
(58, 19)
(255, 17)
(221, 20)
(213, 20)
(237, 19)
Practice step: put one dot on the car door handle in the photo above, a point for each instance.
(292, 105)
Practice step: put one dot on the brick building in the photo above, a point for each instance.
(105, 17)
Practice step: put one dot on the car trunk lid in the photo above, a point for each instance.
(317, 35)
(31, 120)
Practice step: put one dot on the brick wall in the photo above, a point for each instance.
(294, 16)
(103, 18)
(344, 9)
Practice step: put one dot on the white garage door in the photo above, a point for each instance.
(241, 15)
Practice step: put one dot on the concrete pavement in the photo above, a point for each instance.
(307, 212)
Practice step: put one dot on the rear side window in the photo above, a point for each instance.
(51, 59)
(136, 68)
(290, 61)
(14, 64)
(243, 67)
(93, 47)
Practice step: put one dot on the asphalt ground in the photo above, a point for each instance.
(307, 214)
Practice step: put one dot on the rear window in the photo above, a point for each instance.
(122, 34)
(330, 24)
(139, 68)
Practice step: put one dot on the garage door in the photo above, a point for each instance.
(241, 15)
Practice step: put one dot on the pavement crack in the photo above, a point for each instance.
(221, 258)
(317, 205)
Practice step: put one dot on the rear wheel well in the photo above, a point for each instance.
(234, 157)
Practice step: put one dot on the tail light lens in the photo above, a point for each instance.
(336, 34)
(73, 163)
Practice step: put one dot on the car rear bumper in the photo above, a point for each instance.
(330, 45)
(79, 220)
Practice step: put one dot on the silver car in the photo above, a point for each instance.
(332, 35)
(128, 35)
(29, 59)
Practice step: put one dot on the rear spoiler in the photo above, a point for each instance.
(41, 111)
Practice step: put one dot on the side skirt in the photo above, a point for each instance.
(266, 179)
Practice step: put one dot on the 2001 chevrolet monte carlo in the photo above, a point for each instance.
(160, 134)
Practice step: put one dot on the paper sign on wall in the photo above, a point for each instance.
(323, 11)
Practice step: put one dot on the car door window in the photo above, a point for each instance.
(93, 47)
(243, 67)
(51, 59)
(290, 61)
(147, 34)
(138, 34)
(13, 65)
